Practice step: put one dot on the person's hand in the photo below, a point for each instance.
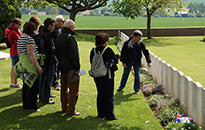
(149, 65)
(118, 56)
(124, 65)
(40, 70)
(76, 72)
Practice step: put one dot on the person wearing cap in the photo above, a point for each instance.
(131, 55)
(59, 21)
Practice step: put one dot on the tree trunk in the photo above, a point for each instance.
(73, 15)
(149, 25)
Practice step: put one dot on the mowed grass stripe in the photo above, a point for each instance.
(86, 22)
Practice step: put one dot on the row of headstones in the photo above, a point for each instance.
(190, 94)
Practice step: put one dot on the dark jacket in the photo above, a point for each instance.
(48, 46)
(127, 53)
(67, 51)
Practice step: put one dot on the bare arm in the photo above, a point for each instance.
(30, 50)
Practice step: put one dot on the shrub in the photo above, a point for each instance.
(11, 12)
(203, 40)
(165, 107)
(146, 78)
(154, 99)
(160, 89)
(181, 126)
(167, 110)
(152, 88)
(34, 12)
(147, 89)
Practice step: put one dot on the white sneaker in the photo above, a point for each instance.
(136, 93)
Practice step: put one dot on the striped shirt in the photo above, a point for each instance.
(22, 44)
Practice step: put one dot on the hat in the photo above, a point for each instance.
(59, 17)
(137, 33)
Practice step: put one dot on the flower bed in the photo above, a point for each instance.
(167, 109)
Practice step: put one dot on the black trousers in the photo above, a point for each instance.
(29, 95)
(56, 76)
(105, 89)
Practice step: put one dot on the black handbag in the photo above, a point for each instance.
(72, 76)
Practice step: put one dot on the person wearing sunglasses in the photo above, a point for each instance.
(12, 32)
(59, 22)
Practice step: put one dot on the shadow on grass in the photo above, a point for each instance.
(4, 90)
(12, 99)
(159, 42)
(16, 118)
(119, 97)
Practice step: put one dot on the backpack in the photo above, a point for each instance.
(98, 68)
(8, 44)
(39, 41)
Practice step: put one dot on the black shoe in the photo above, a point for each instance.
(119, 89)
(49, 102)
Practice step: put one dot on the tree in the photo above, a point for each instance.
(34, 12)
(9, 9)
(75, 6)
(196, 9)
(132, 8)
(53, 11)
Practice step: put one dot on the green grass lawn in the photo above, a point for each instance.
(83, 22)
(132, 110)
(187, 54)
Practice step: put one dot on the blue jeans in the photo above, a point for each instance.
(14, 59)
(126, 73)
(45, 82)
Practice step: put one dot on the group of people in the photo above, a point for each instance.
(43, 54)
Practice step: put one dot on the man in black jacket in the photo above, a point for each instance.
(69, 65)
(131, 55)
(59, 21)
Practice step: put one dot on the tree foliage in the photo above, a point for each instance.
(9, 9)
(71, 6)
(133, 8)
(196, 8)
